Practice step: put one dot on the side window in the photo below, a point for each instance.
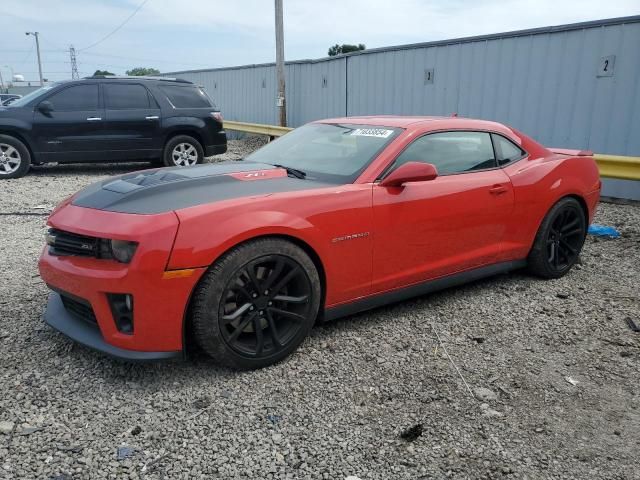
(76, 98)
(186, 97)
(506, 150)
(451, 152)
(126, 96)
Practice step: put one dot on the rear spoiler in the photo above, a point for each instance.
(573, 153)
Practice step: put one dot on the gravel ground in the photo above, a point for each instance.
(552, 365)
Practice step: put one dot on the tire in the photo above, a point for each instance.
(14, 158)
(182, 151)
(559, 240)
(246, 323)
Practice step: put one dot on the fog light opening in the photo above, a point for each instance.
(122, 310)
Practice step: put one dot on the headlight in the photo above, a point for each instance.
(123, 250)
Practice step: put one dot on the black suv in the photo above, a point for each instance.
(109, 119)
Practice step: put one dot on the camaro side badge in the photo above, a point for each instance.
(353, 236)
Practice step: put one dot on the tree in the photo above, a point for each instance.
(140, 71)
(102, 72)
(345, 48)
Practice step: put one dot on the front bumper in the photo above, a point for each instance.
(160, 298)
(82, 332)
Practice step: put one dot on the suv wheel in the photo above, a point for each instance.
(14, 158)
(183, 151)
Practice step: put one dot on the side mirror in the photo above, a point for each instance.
(45, 107)
(410, 172)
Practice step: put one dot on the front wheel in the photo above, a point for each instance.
(183, 151)
(256, 304)
(14, 158)
(559, 240)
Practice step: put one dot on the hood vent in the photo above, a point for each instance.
(140, 180)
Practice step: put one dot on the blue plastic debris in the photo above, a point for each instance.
(125, 452)
(603, 231)
(274, 418)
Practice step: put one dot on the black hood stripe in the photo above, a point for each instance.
(167, 189)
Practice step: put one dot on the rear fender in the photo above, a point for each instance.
(538, 185)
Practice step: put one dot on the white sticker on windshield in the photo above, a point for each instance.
(372, 132)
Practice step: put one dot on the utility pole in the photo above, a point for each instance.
(74, 64)
(35, 34)
(1, 83)
(282, 104)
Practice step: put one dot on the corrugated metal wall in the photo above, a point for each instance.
(544, 82)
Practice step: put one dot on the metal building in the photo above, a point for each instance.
(572, 86)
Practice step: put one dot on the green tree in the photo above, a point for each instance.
(345, 48)
(141, 71)
(102, 72)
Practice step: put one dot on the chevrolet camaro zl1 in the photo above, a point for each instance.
(336, 217)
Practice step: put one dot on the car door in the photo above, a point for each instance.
(132, 120)
(73, 128)
(455, 222)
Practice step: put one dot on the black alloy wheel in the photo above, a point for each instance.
(559, 240)
(265, 305)
(565, 238)
(256, 304)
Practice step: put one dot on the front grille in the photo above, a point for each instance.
(80, 308)
(67, 243)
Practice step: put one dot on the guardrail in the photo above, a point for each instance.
(257, 128)
(611, 166)
(617, 166)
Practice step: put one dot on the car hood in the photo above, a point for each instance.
(15, 112)
(166, 189)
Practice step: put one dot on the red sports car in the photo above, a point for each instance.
(336, 217)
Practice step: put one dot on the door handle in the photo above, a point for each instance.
(93, 119)
(498, 189)
(152, 117)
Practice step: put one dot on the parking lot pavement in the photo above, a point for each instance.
(552, 364)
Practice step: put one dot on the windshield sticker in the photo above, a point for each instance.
(372, 132)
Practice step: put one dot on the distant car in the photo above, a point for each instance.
(336, 217)
(110, 119)
(7, 98)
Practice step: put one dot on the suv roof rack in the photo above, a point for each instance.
(124, 77)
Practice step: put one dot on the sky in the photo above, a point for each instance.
(174, 35)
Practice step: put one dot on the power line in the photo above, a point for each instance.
(24, 60)
(117, 28)
(147, 59)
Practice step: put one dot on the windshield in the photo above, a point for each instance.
(327, 152)
(21, 102)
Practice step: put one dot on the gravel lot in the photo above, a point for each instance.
(552, 364)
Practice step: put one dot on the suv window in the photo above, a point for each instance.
(451, 152)
(506, 150)
(76, 98)
(186, 97)
(125, 96)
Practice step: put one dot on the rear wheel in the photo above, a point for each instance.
(256, 304)
(183, 151)
(559, 240)
(14, 158)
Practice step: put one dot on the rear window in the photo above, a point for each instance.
(506, 150)
(186, 96)
(126, 96)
